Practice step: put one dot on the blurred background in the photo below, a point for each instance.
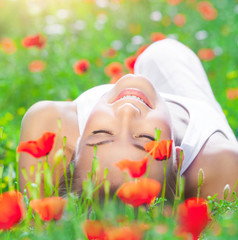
(56, 49)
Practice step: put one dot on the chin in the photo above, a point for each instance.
(133, 79)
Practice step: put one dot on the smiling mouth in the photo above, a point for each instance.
(131, 93)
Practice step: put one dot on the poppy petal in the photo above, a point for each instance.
(49, 208)
(37, 41)
(125, 233)
(159, 150)
(94, 230)
(139, 192)
(39, 148)
(135, 168)
(193, 216)
(81, 66)
(11, 209)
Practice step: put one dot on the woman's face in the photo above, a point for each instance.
(121, 123)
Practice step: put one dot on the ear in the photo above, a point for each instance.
(179, 157)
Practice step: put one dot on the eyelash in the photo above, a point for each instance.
(146, 136)
(110, 133)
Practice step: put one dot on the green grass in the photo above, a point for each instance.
(162, 223)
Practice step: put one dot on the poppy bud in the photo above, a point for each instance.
(200, 177)
(58, 156)
(226, 191)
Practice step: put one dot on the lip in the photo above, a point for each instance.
(133, 92)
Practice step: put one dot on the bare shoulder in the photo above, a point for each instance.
(43, 117)
(219, 160)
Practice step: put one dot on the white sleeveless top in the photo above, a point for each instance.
(204, 120)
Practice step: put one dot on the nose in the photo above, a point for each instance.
(127, 114)
(128, 111)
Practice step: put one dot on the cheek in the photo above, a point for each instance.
(83, 165)
(162, 122)
(114, 176)
(156, 171)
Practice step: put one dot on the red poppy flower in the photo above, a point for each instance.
(179, 20)
(130, 63)
(37, 41)
(141, 49)
(232, 93)
(49, 208)
(139, 192)
(94, 230)
(125, 233)
(36, 66)
(159, 150)
(193, 216)
(207, 11)
(81, 66)
(206, 54)
(97, 230)
(174, 2)
(11, 209)
(110, 53)
(39, 148)
(8, 45)
(135, 168)
(157, 36)
(114, 69)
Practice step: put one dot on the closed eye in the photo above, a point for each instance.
(102, 131)
(146, 136)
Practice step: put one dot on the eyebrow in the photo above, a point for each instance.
(102, 131)
(109, 141)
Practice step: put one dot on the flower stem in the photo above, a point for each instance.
(164, 185)
(233, 190)
(71, 167)
(198, 193)
(1, 175)
(10, 185)
(136, 211)
(48, 185)
(177, 182)
(17, 171)
(65, 174)
(148, 169)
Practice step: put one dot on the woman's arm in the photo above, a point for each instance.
(43, 117)
(219, 160)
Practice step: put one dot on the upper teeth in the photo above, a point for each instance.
(132, 96)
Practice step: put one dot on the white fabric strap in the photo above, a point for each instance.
(87, 101)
